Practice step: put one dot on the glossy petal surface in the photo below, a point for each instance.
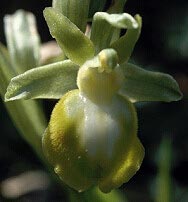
(90, 144)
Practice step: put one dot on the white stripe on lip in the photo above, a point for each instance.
(99, 131)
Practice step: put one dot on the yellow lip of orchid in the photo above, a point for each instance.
(89, 145)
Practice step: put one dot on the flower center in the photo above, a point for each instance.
(100, 78)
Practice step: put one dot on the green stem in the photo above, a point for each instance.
(95, 195)
(164, 180)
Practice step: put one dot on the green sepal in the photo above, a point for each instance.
(76, 46)
(23, 40)
(143, 85)
(49, 81)
(125, 44)
(105, 24)
(76, 11)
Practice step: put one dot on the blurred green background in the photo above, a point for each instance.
(163, 127)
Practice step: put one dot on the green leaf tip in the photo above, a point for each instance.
(125, 44)
(142, 85)
(76, 11)
(23, 40)
(121, 21)
(105, 25)
(74, 43)
(49, 81)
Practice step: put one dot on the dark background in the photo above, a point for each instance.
(163, 46)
